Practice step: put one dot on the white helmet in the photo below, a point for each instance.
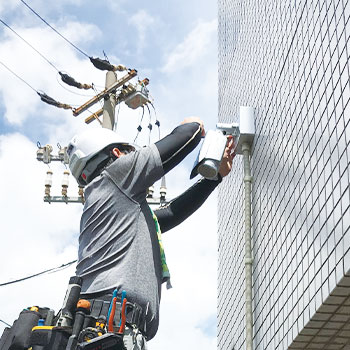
(84, 151)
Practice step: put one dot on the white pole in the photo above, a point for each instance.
(248, 246)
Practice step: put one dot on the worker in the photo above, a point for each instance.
(119, 247)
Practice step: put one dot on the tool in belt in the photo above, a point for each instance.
(82, 324)
(108, 313)
(116, 312)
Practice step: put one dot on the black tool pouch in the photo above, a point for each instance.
(49, 338)
(18, 336)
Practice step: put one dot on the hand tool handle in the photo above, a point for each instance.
(111, 316)
(70, 301)
(123, 318)
(115, 292)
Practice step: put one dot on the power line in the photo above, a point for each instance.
(97, 62)
(56, 31)
(55, 269)
(5, 323)
(5, 24)
(18, 76)
(64, 77)
(96, 93)
(44, 97)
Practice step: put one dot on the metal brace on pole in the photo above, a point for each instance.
(105, 92)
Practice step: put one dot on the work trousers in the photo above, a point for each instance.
(133, 339)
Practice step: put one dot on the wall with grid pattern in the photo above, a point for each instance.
(288, 60)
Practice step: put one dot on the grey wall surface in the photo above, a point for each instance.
(288, 60)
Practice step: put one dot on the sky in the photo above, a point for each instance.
(172, 43)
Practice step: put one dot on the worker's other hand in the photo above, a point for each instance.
(229, 154)
(195, 120)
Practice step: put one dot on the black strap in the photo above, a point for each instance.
(96, 308)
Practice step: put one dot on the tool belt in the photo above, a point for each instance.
(94, 322)
(134, 313)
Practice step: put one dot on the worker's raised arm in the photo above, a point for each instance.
(174, 147)
(180, 208)
(187, 203)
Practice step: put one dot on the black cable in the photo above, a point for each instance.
(96, 93)
(5, 24)
(18, 77)
(149, 125)
(5, 323)
(55, 269)
(139, 128)
(117, 119)
(76, 47)
(157, 121)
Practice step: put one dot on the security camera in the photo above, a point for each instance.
(210, 155)
(213, 148)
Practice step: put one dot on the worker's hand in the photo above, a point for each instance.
(229, 154)
(195, 120)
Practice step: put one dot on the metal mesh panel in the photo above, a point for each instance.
(288, 60)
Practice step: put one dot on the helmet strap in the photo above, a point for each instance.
(101, 161)
(94, 167)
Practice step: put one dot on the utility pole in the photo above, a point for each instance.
(109, 102)
(134, 96)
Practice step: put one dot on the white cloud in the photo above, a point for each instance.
(142, 22)
(192, 48)
(116, 5)
(8, 6)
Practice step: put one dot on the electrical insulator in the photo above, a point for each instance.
(150, 192)
(162, 189)
(127, 89)
(162, 192)
(40, 154)
(144, 82)
(120, 67)
(62, 154)
(65, 183)
(47, 154)
(81, 194)
(48, 182)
